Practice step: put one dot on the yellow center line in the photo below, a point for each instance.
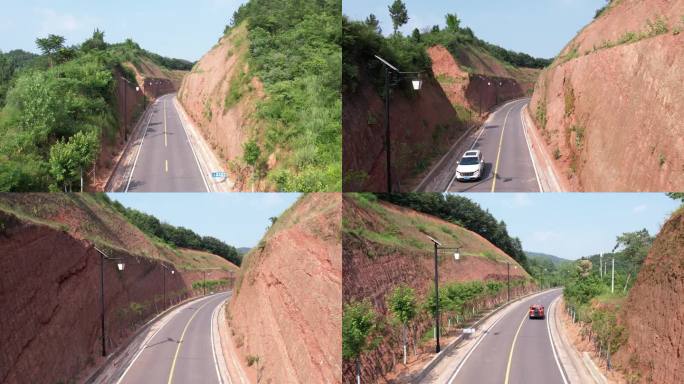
(165, 143)
(498, 155)
(510, 355)
(180, 342)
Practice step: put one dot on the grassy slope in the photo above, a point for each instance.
(85, 216)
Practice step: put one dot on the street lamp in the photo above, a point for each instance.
(457, 256)
(120, 266)
(417, 84)
(164, 269)
(137, 89)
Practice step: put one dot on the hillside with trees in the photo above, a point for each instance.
(61, 109)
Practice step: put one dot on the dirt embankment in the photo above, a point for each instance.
(220, 97)
(155, 81)
(374, 265)
(423, 126)
(610, 108)
(654, 312)
(50, 300)
(491, 84)
(286, 309)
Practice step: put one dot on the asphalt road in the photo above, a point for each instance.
(165, 161)
(516, 350)
(181, 351)
(508, 161)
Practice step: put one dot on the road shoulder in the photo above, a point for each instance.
(207, 160)
(546, 171)
(231, 358)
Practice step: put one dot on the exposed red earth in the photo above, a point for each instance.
(286, 309)
(50, 284)
(372, 269)
(609, 106)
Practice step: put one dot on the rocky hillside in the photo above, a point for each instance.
(286, 308)
(51, 284)
(654, 312)
(614, 87)
(221, 96)
(385, 246)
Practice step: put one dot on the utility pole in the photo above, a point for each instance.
(612, 277)
(437, 349)
(601, 265)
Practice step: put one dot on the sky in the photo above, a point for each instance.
(576, 224)
(239, 219)
(173, 28)
(540, 28)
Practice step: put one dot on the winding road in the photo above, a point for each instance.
(511, 349)
(161, 158)
(509, 166)
(181, 349)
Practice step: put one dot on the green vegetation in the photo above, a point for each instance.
(209, 284)
(176, 236)
(569, 98)
(60, 109)
(295, 51)
(360, 332)
(462, 211)
(556, 154)
(579, 135)
(404, 308)
(540, 114)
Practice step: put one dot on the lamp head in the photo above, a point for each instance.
(457, 256)
(417, 84)
(120, 266)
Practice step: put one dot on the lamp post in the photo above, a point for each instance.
(120, 266)
(125, 92)
(457, 256)
(164, 269)
(417, 84)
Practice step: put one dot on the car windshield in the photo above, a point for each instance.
(469, 161)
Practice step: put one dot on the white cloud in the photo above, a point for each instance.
(52, 21)
(639, 208)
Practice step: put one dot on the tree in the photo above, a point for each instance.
(402, 304)
(399, 14)
(273, 220)
(251, 153)
(453, 22)
(636, 246)
(50, 45)
(676, 196)
(373, 22)
(360, 332)
(416, 35)
(95, 43)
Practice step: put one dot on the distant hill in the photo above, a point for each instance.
(243, 250)
(543, 256)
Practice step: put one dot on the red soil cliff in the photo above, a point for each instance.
(287, 308)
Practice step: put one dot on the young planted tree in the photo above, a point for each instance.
(68, 159)
(402, 304)
(360, 332)
(399, 14)
(453, 22)
(50, 46)
(373, 22)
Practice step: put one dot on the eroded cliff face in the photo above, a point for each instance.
(654, 312)
(221, 97)
(287, 308)
(609, 106)
(373, 269)
(49, 293)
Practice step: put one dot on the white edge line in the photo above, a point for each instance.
(214, 318)
(553, 345)
(191, 147)
(529, 148)
(470, 352)
(140, 148)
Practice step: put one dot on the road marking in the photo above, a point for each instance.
(498, 155)
(140, 148)
(166, 165)
(529, 148)
(180, 342)
(142, 349)
(192, 149)
(553, 346)
(165, 142)
(213, 343)
(510, 355)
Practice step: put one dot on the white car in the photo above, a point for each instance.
(470, 167)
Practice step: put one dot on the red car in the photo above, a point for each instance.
(536, 311)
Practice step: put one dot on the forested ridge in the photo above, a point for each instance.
(59, 108)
